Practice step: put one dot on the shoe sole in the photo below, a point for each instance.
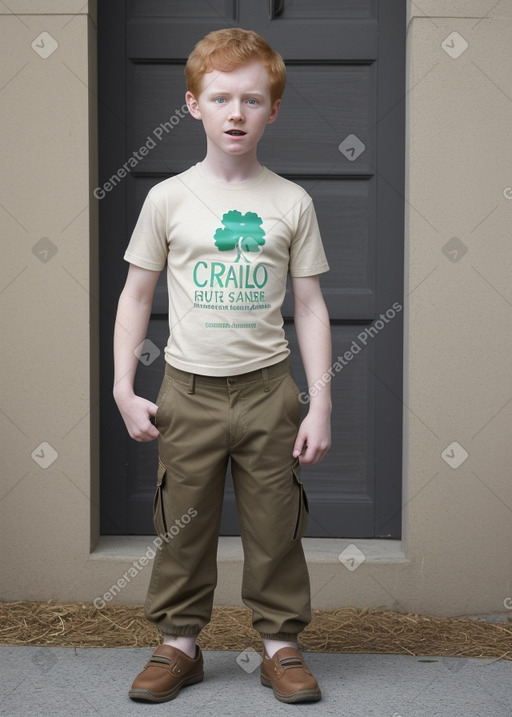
(301, 696)
(142, 695)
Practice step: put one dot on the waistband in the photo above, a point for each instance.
(262, 374)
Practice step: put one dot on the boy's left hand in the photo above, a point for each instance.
(314, 438)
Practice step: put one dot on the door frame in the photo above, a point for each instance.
(389, 379)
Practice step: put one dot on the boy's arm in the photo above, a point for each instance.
(314, 336)
(133, 312)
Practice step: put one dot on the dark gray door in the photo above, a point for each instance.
(340, 134)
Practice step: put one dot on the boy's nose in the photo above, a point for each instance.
(236, 111)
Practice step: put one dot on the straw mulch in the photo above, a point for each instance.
(345, 630)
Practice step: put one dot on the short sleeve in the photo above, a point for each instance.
(307, 255)
(148, 247)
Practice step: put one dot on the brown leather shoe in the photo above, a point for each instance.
(289, 677)
(168, 670)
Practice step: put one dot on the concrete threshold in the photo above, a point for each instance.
(317, 550)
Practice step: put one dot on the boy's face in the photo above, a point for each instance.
(235, 108)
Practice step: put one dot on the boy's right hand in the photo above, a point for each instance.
(137, 413)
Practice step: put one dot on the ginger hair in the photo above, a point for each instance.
(227, 49)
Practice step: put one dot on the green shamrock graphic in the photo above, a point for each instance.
(242, 232)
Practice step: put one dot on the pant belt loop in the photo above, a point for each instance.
(192, 383)
(264, 375)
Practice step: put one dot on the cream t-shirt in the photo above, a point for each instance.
(228, 250)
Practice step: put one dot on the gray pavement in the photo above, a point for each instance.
(92, 682)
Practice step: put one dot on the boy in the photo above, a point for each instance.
(229, 231)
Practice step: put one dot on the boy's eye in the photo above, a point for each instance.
(252, 101)
(219, 100)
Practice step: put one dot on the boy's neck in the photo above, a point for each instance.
(229, 169)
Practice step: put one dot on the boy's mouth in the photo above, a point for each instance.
(235, 132)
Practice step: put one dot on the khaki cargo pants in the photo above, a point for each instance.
(203, 421)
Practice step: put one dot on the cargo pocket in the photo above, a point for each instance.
(158, 504)
(302, 518)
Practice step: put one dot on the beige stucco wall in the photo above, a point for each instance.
(455, 554)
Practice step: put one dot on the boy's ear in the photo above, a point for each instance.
(192, 105)
(274, 111)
